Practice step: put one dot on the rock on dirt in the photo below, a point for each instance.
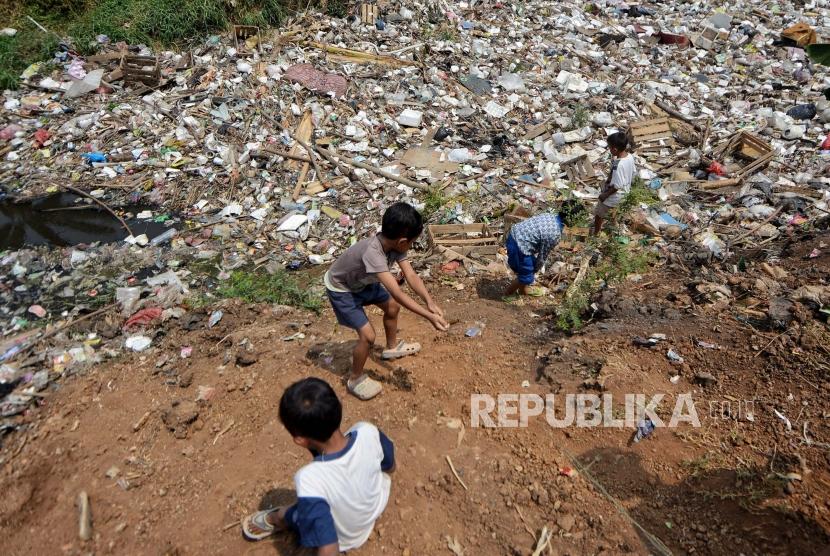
(178, 418)
(566, 522)
(705, 379)
(245, 358)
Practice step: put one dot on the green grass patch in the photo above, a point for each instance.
(433, 202)
(159, 23)
(617, 262)
(255, 287)
(640, 193)
(579, 116)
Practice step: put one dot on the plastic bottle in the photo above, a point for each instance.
(164, 237)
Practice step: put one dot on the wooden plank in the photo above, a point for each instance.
(536, 131)
(303, 132)
(458, 228)
(475, 241)
(479, 250)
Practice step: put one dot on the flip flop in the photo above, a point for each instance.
(535, 291)
(401, 350)
(364, 388)
(256, 528)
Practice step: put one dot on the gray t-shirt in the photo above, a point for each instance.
(360, 264)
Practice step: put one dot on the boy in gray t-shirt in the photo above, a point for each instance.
(361, 276)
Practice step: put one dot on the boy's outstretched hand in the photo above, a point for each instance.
(434, 308)
(438, 322)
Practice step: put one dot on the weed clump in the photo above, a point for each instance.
(165, 23)
(255, 287)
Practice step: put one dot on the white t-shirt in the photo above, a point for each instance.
(622, 173)
(341, 495)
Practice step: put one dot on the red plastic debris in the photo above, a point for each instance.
(825, 145)
(41, 136)
(143, 317)
(671, 38)
(716, 168)
(450, 267)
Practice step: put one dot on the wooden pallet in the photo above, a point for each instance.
(141, 69)
(746, 146)
(465, 239)
(369, 13)
(241, 33)
(579, 169)
(652, 134)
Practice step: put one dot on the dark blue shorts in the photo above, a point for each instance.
(523, 265)
(348, 306)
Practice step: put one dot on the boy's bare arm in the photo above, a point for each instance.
(398, 295)
(418, 286)
(607, 192)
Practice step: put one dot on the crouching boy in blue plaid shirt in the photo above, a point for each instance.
(530, 242)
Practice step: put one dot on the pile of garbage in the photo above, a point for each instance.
(279, 148)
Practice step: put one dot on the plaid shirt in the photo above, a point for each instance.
(537, 236)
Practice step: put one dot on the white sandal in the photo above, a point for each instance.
(255, 527)
(364, 388)
(401, 350)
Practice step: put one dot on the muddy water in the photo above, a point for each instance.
(63, 220)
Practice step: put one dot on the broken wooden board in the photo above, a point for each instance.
(303, 133)
(579, 169)
(652, 134)
(369, 13)
(247, 38)
(466, 239)
(315, 187)
(535, 131)
(141, 69)
(346, 55)
(423, 157)
(747, 146)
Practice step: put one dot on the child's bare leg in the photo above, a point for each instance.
(365, 341)
(390, 309)
(514, 286)
(597, 225)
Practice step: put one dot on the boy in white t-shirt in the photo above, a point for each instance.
(344, 490)
(619, 180)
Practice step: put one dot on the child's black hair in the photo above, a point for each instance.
(310, 408)
(401, 220)
(619, 141)
(571, 212)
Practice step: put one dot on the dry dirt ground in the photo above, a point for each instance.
(721, 488)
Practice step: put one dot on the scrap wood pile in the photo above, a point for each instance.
(278, 148)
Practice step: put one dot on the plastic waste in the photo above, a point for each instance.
(802, 112)
(644, 429)
(164, 237)
(476, 330)
(94, 157)
(128, 298)
(214, 319)
(794, 132)
(138, 343)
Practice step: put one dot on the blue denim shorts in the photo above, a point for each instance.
(348, 306)
(523, 265)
